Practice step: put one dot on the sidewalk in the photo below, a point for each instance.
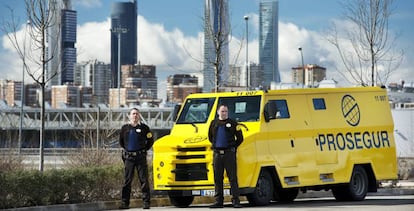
(400, 188)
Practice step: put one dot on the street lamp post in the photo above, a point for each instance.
(22, 91)
(119, 31)
(246, 18)
(303, 67)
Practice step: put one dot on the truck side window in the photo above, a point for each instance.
(282, 108)
(319, 104)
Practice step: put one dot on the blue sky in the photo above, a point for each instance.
(169, 30)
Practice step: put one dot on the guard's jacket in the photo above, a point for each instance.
(143, 132)
(234, 135)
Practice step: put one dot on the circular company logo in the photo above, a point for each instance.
(350, 110)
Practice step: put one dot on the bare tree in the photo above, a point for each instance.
(101, 137)
(41, 17)
(367, 50)
(216, 35)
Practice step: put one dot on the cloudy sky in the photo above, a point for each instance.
(170, 35)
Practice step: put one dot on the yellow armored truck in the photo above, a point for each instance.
(338, 139)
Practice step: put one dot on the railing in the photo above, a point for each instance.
(82, 118)
(51, 151)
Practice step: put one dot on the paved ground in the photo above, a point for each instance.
(401, 188)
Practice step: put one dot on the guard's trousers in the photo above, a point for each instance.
(131, 163)
(225, 161)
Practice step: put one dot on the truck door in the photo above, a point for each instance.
(323, 115)
(289, 137)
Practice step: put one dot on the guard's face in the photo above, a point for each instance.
(134, 116)
(223, 112)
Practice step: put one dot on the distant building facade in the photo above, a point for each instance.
(123, 24)
(236, 73)
(179, 86)
(268, 41)
(11, 92)
(64, 96)
(138, 86)
(237, 78)
(257, 78)
(31, 95)
(97, 75)
(313, 75)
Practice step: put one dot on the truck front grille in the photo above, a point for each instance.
(184, 157)
(190, 172)
(191, 149)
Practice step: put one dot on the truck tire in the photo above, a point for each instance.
(286, 195)
(181, 201)
(263, 192)
(356, 189)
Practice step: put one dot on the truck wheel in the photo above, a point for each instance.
(286, 195)
(264, 190)
(181, 201)
(357, 188)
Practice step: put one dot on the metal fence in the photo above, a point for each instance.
(82, 118)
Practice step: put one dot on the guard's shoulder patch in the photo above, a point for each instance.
(149, 135)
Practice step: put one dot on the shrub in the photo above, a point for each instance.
(57, 186)
(10, 161)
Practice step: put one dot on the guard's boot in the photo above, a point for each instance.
(236, 203)
(124, 206)
(146, 205)
(217, 205)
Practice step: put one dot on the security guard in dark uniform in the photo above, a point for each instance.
(225, 136)
(135, 139)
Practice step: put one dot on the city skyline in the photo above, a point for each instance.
(167, 41)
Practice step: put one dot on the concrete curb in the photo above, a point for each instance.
(164, 201)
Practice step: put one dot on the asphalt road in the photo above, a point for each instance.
(377, 203)
(392, 199)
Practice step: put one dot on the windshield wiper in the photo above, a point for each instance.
(195, 126)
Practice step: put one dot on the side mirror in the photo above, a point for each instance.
(270, 111)
(175, 112)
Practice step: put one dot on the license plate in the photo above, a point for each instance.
(226, 192)
(196, 192)
(207, 192)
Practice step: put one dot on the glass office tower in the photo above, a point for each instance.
(216, 27)
(61, 43)
(123, 24)
(68, 45)
(268, 41)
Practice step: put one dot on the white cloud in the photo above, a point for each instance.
(94, 41)
(88, 3)
(11, 65)
(168, 50)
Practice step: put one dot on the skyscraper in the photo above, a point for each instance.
(216, 43)
(61, 43)
(268, 41)
(97, 75)
(123, 24)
